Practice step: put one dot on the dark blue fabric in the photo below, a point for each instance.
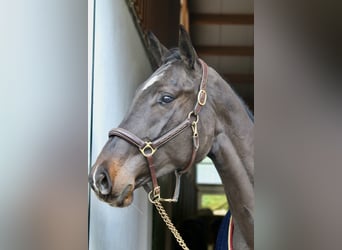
(222, 236)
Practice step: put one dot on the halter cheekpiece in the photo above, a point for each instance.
(148, 148)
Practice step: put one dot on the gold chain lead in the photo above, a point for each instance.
(169, 224)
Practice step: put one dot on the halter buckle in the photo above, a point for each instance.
(148, 150)
(202, 97)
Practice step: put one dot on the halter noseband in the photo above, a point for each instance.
(148, 148)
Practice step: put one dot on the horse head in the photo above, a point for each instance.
(163, 102)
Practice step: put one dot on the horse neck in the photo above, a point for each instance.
(234, 130)
(232, 153)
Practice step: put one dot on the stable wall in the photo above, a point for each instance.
(120, 64)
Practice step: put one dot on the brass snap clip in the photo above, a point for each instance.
(156, 195)
(194, 128)
(194, 123)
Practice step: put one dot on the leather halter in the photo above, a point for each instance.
(148, 148)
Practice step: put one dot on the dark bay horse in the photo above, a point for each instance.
(181, 93)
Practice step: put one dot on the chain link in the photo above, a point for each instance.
(169, 224)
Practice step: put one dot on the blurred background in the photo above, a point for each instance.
(43, 128)
(44, 138)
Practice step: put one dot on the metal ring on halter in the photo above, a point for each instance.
(148, 150)
(193, 114)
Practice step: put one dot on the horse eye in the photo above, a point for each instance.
(166, 99)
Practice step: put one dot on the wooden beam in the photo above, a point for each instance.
(225, 50)
(239, 78)
(242, 19)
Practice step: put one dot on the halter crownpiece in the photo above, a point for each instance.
(149, 148)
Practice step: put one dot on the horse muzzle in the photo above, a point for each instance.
(116, 195)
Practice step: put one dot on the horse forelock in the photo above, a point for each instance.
(156, 76)
(172, 55)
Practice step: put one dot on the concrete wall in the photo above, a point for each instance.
(120, 64)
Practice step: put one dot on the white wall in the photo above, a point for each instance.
(120, 64)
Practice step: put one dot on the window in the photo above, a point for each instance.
(210, 189)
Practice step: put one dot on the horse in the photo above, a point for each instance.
(182, 113)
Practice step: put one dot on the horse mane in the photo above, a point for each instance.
(249, 112)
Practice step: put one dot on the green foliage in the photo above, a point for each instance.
(214, 201)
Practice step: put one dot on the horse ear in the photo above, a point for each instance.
(157, 49)
(186, 49)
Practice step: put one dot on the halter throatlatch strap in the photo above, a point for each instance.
(148, 148)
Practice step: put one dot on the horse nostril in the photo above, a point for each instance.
(102, 182)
